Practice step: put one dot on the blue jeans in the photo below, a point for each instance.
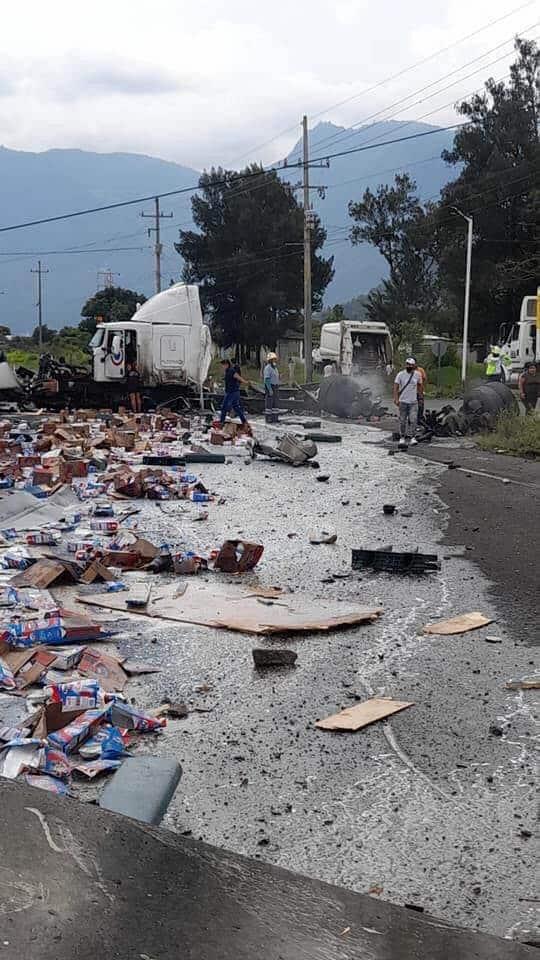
(232, 401)
(408, 416)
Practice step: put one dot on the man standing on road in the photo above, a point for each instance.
(232, 400)
(407, 389)
(529, 387)
(271, 382)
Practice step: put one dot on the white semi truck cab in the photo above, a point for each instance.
(166, 338)
(522, 342)
(354, 347)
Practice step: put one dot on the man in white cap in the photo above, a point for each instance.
(271, 381)
(408, 387)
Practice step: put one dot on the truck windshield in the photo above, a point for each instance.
(97, 339)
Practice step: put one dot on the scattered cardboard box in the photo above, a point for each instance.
(235, 609)
(363, 714)
(104, 668)
(238, 556)
(460, 624)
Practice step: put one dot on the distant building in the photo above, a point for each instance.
(290, 346)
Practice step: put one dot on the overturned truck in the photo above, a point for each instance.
(481, 407)
(348, 398)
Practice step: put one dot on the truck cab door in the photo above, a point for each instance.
(115, 357)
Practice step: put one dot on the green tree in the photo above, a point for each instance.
(46, 333)
(393, 220)
(247, 255)
(498, 150)
(335, 315)
(112, 305)
(498, 153)
(4, 331)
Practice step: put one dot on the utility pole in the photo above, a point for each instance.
(158, 247)
(107, 276)
(41, 270)
(467, 293)
(308, 331)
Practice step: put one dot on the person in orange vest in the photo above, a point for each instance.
(421, 398)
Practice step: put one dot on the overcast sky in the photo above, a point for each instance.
(208, 81)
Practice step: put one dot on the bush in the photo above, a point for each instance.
(22, 358)
(514, 434)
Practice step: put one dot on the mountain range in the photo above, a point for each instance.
(40, 185)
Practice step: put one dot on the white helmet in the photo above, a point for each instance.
(271, 356)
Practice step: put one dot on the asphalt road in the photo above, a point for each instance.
(71, 874)
(497, 520)
(431, 808)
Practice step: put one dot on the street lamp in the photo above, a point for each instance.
(467, 293)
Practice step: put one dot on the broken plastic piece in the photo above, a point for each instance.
(389, 561)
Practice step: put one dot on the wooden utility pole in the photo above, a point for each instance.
(308, 338)
(158, 247)
(40, 271)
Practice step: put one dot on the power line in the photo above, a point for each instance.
(223, 181)
(427, 59)
(474, 196)
(52, 253)
(385, 143)
(339, 137)
(394, 76)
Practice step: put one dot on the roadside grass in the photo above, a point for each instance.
(450, 380)
(518, 436)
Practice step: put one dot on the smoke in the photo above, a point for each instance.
(376, 381)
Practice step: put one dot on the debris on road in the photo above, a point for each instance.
(232, 608)
(238, 556)
(363, 714)
(325, 536)
(524, 683)
(345, 396)
(297, 451)
(389, 561)
(176, 710)
(460, 624)
(274, 657)
(319, 437)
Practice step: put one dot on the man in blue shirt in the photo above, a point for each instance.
(271, 381)
(232, 400)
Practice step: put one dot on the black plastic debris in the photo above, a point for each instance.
(151, 460)
(389, 561)
(320, 437)
(263, 658)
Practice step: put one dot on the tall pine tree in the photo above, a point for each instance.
(247, 255)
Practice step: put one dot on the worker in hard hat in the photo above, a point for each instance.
(271, 381)
(495, 364)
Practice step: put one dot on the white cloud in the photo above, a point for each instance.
(206, 82)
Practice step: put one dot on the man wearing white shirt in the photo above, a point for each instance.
(408, 387)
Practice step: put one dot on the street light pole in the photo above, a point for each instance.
(467, 293)
(308, 327)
